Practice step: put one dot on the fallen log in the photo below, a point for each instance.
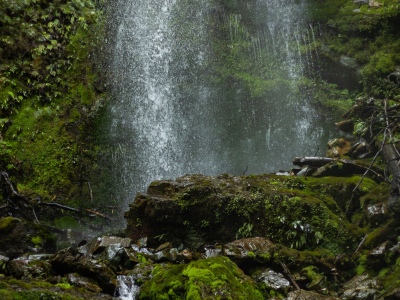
(312, 161)
(326, 166)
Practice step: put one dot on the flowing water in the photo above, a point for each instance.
(127, 288)
(209, 86)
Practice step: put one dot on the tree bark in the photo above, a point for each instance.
(392, 159)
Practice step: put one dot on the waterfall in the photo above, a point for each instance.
(202, 87)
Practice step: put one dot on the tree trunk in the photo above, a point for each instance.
(391, 158)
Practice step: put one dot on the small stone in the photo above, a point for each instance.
(345, 125)
(373, 3)
(248, 248)
(377, 213)
(360, 150)
(361, 287)
(303, 295)
(142, 242)
(164, 246)
(274, 281)
(187, 255)
(338, 148)
(113, 240)
(83, 282)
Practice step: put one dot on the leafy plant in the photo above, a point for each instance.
(245, 231)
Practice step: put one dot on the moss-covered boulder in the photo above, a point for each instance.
(18, 236)
(213, 278)
(296, 211)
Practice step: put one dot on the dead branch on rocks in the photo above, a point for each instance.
(290, 276)
(29, 208)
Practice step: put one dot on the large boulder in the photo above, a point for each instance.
(197, 210)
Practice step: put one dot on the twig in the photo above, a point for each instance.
(365, 174)
(361, 243)
(90, 191)
(372, 162)
(59, 206)
(99, 214)
(34, 213)
(244, 172)
(387, 118)
(287, 272)
(10, 185)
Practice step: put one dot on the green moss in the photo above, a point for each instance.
(7, 223)
(383, 272)
(41, 284)
(20, 283)
(377, 237)
(362, 265)
(13, 289)
(313, 275)
(377, 194)
(64, 286)
(66, 222)
(37, 240)
(6, 295)
(214, 278)
(294, 211)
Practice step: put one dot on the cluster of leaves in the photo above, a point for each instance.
(327, 95)
(374, 117)
(34, 40)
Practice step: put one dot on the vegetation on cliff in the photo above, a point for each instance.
(49, 97)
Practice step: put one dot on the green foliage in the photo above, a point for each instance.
(323, 10)
(35, 38)
(368, 35)
(236, 62)
(327, 95)
(47, 96)
(245, 231)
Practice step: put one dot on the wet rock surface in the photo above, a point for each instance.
(18, 237)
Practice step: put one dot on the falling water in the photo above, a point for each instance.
(179, 108)
(127, 288)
